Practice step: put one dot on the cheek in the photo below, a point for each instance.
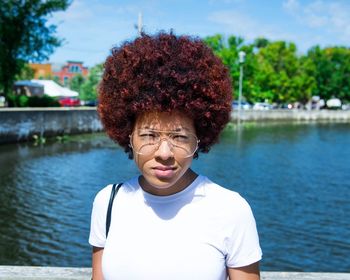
(185, 163)
(140, 161)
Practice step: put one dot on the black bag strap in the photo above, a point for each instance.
(115, 189)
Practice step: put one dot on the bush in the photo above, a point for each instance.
(17, 100)
(43, 101)
(32, 101)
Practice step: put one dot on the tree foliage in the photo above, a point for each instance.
(332, 72)
(25, 35)
(76, 82)
(276, 72)
(281, 75)
(26, 73)
(88, 90)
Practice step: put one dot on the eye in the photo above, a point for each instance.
(148, 135)
(180, 138)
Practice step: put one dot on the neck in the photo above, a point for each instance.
(178, 186)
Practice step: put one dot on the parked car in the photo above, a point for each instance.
(92, 103)
(2, 101)
(285, 106)
(69, 101)
(244, 105)
(262, 106)
(334, 103)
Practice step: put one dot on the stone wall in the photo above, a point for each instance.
(21, 124)
(291, 115)
(64, 273)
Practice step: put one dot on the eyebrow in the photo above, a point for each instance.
(178, 129)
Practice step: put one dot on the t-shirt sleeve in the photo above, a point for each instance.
(242, 242)
(97, 236)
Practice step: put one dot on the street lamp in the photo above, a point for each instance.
(241, 56)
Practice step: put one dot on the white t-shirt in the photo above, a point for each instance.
(193, 234)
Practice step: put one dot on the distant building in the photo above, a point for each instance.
(41, 71)
(69, 70)
(61, 73)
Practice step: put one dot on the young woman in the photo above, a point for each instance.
(164, 99)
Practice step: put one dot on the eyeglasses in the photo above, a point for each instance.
(146, 142)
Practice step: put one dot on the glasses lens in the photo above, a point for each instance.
(182, 144)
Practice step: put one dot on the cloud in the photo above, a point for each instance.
(76, 11)
(234, 22)
(331, 16)
(91, 28)
(249, 27)
(226, 1)
(292, 6)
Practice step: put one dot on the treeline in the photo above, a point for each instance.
(277, 73)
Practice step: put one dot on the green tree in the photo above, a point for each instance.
(88, 90)
(332, 72)
(228, 52)
(261, 42)
(25, 35)
(27, 73)
(76, 82)
(282, 76)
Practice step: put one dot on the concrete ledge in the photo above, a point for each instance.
(64, 273)
(42, 273)
(21, 124)
(292, 115)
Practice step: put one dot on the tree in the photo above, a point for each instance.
(228, 52)
(76, 82)
(261, 42)
(281, 75)
(88, 90)
(25, 35)
(332, 72)
(26, 73)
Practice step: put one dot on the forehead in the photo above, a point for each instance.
(164, 121)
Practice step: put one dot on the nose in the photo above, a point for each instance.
(164, 150)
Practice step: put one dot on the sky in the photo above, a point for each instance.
(90, 28)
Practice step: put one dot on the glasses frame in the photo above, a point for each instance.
(170, 144)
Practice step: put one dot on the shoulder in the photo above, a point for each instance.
(103, 196)
(214, 191)
(227, 202)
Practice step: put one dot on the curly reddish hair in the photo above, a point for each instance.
(164, 73)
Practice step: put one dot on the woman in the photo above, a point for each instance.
(163, 99)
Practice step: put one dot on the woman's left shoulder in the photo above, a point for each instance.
(227, 198)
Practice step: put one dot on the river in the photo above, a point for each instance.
(296, 178)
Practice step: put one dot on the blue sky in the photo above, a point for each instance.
(91, 27)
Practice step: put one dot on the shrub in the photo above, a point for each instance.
(43, 101)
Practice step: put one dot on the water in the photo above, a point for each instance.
(295, 177)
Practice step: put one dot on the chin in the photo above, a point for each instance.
(162, 184)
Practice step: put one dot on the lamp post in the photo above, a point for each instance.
(139, 24)
(241, 56)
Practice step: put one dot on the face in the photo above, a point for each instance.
(165, 170)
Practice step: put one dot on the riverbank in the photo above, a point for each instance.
(24, 124)
(291, 115)
(64, 273)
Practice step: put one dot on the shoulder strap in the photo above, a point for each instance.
(115, 189)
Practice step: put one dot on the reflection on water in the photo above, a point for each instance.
(296, 178)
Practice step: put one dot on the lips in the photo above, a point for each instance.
(164, 171)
